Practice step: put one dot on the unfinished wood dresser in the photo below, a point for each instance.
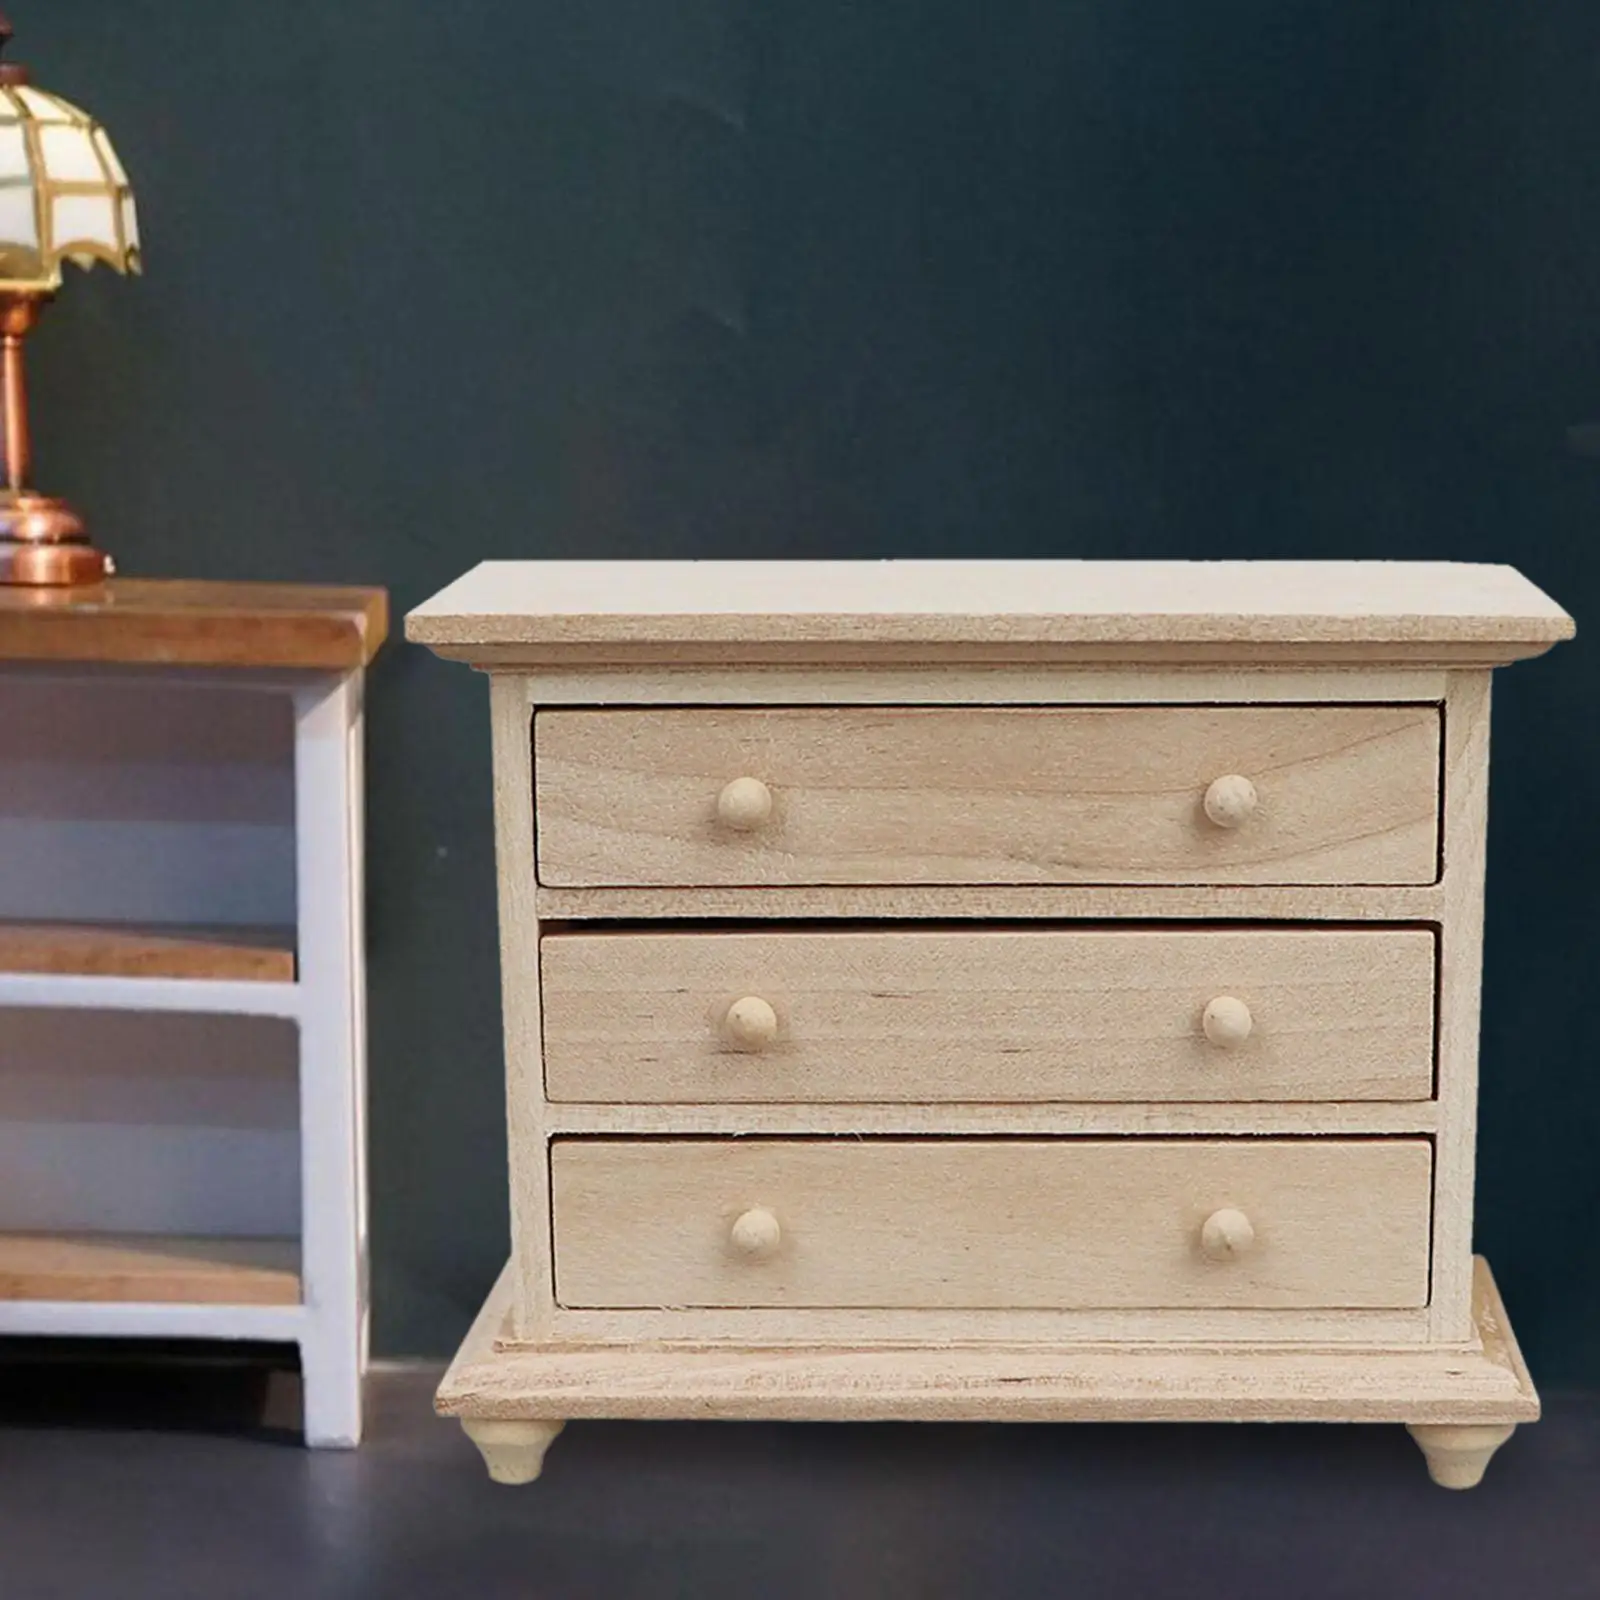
(1012, 990)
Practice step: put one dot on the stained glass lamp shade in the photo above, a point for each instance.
(63, 197)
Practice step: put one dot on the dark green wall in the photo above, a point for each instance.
(716, 277)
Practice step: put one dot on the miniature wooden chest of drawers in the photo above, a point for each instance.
(1014, 990)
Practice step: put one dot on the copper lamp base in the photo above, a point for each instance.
(42, 541)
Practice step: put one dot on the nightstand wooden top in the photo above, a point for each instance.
(510, 612)
(158, 622)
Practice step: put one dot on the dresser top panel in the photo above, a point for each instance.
(507, 612)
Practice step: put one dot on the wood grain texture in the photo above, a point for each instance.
(103, 950)
(536, 610)
(910, 1328)
(1041, 1118)
(195, 624)
(512, 744)
(928, 683)
(1466, 805)
(984, 1224)
(987, 1015)
(1153, 654)
(1347, 794)
(1000, 903)
(245, 1272)
(1206, 1381)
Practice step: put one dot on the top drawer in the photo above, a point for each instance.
(985, 795)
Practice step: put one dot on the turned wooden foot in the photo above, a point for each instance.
(512, 1451)
(1458, 1455)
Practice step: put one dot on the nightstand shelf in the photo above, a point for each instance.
(107, 992)
(107, 950)
(149, 1270)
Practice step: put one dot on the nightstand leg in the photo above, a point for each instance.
(512, 1451)
(332, 1001)
(1457, 1456)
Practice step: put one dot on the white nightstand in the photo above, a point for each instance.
(182, 971)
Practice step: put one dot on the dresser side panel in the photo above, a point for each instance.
(512, 735)
(1466, 778)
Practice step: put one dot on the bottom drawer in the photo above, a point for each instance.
(992, 1223)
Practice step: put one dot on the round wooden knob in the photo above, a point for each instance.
(751, 1024)
(1230, 800)
(744, 804)
(1225, 1235)
(1227, 1022)
(756, 1234)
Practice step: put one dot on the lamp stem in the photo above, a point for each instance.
(14, 401)
(42, 539)
(19, 315)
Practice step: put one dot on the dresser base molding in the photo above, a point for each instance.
(1460, 1406)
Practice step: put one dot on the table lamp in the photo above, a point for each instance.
(63, 197)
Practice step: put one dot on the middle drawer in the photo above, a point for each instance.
(989, 1015)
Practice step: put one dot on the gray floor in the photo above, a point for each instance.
(184, 1481)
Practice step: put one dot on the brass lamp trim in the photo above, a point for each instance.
(43, 541)
(24, 267)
